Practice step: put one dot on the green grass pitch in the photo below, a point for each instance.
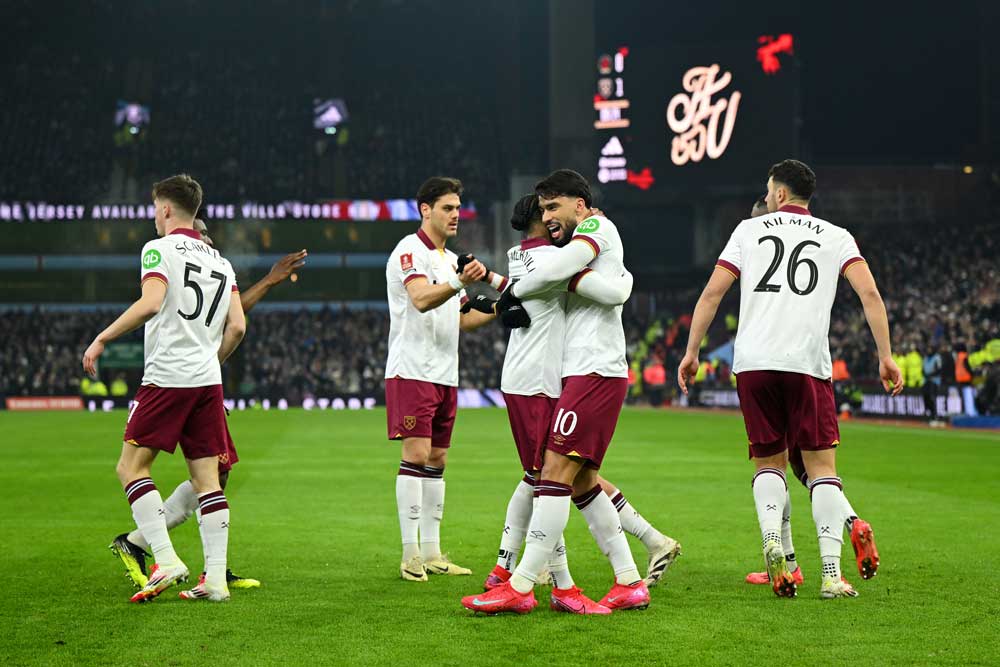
(313, 512)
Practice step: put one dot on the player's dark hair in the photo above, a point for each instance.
(436, 187)
(759, 203)
(526, 211)
(182, 191)
(565, 183)
(797, 176)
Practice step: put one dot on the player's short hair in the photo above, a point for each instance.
(565, 183)
(760, 203)
(436, 187)
(526, 211)
(795, 175)
(182, 191)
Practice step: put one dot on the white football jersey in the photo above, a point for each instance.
(422, 346)
(182, 340)
(533, 363)
(788, 265)
(595, 338)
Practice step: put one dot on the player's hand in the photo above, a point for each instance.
(90, 357)
(472, 271)
(285, 266)
(465, 260)
(482, 303)
(687, 369)
(892, 378)
(511, 311)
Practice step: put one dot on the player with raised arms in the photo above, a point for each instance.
(788, 263)
(192, 326)
(594, 384)
(132, 548)
(425, 285)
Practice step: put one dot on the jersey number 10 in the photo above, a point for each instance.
(794, 262)
(200, 296)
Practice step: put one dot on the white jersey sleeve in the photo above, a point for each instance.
(595, 338)
(182, 340)
(788, 264)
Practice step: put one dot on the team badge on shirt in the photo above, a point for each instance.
(406, 261)
(409, 422)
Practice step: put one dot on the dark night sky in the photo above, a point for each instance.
(881, 81)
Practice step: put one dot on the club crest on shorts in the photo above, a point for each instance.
(409, 422)
(406, 261)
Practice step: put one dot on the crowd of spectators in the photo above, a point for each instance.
(940, 285)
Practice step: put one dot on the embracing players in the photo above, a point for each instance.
(426, 283)
(594, 383)
(531, 383)
(193, 324)
(132, 548)
(788, 264)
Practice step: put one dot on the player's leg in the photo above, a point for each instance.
(433, 486)
(203, 441)
(147, 510)
(661, 550)
(770, 494)
(798, 470)
(762, 402)
(213, 523)
(152, 425)
(817, 433)
(515, 528)
(409, 504)
(410, 407)
(529, 417)
(548, 520)
(629, 591)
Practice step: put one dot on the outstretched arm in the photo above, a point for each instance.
(140, 312)
(564, 264)
(861, 279)
(704, 312)
(280, 272)
(612, 291)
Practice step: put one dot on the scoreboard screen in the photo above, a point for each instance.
(671, 119)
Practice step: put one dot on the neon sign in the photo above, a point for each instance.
(693, 138)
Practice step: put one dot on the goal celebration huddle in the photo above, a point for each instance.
(564, 382)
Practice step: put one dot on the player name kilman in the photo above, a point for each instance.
(794, 221)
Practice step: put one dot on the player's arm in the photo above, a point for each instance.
(153, 292)
(236, 328)
(561, 265)
(473, 319)
(608, 291)
(704, 312)
(278, 274)
(426, 296)
(863, 282)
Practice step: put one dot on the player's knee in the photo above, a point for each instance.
(559, 468)
(437, 458)
(586, 479)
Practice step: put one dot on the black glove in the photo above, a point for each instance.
(511, 310)
(468, 259)
(482, 303)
